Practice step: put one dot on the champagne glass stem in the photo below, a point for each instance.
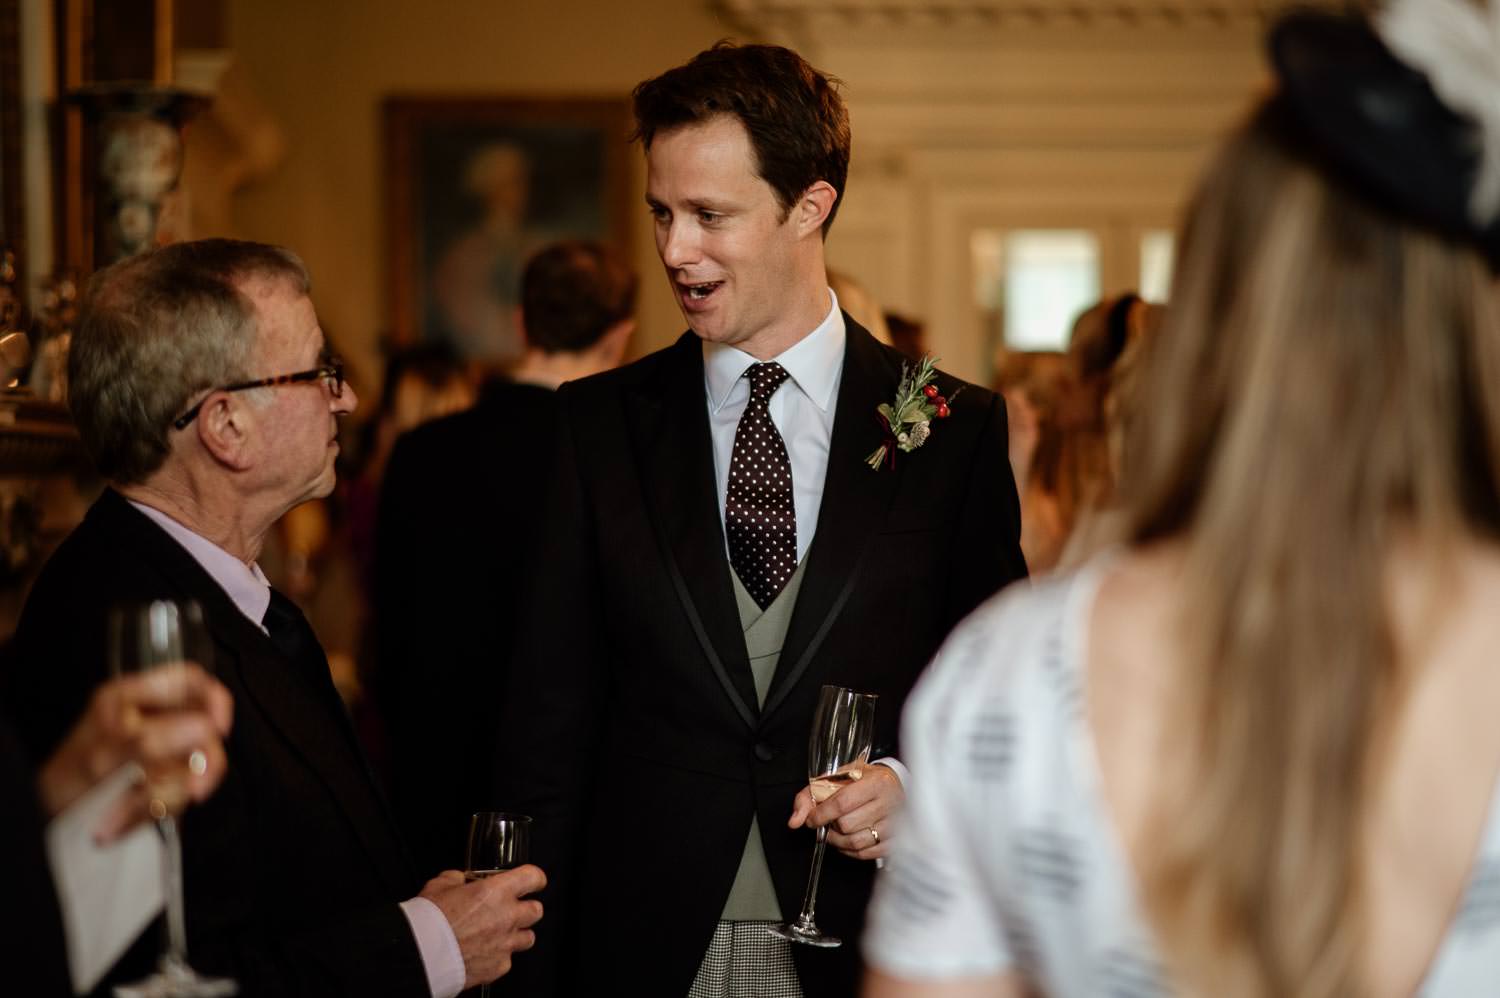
(171, 872)
(810, 900)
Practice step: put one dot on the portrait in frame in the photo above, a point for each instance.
(474, 187)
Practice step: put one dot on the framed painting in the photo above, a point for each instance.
(474, 187)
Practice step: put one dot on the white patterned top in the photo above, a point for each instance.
(1007, 859)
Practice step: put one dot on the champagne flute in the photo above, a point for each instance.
(838, 749)
(163, 635)
(498, 841)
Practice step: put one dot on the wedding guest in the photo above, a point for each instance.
(201, 386)
(686, 611)
(150, 722)
(1253, 753)
(452, 533)
(1037, 386)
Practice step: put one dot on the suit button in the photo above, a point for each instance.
(764, 752)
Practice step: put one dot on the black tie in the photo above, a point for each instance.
(758, 509)
(288, 628)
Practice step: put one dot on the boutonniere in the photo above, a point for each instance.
(908, 421)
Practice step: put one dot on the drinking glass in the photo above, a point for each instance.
(838, 750)
(150, 636)
(498, 841)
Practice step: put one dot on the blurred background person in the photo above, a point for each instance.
(457, 511)
(1037, 385)
(908, 334)
(1065, 412)
(1102, 350)
(1284, 683)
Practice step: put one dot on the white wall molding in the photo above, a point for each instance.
(799, 16)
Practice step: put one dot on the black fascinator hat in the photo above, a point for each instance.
(1379, 122)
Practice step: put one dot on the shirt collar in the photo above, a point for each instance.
(246, 585)
(813, 362)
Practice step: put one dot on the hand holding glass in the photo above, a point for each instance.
(838, 749)
(150, 637)
(498, 841)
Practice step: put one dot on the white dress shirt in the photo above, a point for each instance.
(801, 410)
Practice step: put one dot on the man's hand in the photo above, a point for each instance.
(170, 722)
(491, 918)
(856, 815)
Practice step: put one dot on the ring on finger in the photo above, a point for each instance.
(874, 835)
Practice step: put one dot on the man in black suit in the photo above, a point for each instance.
(448, 556)
(718, 547)
(200, 384)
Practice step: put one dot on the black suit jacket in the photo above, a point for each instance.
(33, 955)
(449, 574)
(293, 869)
(633, 734)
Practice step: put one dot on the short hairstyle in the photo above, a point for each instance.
(796, 120)
(153, 331)
(572, 292)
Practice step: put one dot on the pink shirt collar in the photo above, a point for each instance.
(246, 585)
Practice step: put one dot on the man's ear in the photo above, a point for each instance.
(224, 429)
(812, 209)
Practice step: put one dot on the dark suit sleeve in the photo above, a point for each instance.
(368, 952)
(551, 733)
(987, 541)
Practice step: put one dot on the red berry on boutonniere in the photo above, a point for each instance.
(930, 391)
(943, 411)
(939, 401)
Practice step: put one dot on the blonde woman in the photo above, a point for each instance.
(1255, 751)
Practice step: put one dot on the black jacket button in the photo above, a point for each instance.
(764, 752)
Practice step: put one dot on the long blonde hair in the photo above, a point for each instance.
(1326, 376)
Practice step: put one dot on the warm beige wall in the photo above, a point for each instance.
(323, 67)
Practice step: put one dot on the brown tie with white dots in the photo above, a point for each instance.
(758, 510)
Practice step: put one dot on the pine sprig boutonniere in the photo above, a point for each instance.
(908, 421)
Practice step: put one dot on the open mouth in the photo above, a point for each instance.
(700, 292)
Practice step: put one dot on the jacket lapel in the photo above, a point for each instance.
(855, 501)
(674, 450)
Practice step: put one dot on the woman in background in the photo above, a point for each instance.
(1254, 751)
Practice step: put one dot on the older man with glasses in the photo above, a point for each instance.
(296, 880)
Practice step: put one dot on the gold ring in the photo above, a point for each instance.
(874, 835)
(157, 807)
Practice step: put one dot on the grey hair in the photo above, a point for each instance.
(156, 329)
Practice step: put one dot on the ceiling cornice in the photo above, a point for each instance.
(773, 16)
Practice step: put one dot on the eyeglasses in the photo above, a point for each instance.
(331, 372)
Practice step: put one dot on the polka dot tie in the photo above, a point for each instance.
(758, 511)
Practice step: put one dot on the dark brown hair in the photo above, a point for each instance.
(572, 293)
(795, 118)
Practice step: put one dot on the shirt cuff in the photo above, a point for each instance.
(902, 773)
(441, 957)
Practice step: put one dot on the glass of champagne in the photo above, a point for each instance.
(838, 749)
(163, 635)
(498, 841)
